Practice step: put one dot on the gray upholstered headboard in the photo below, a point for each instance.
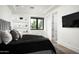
(4, 25)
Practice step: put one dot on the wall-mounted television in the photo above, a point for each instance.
(71, 20)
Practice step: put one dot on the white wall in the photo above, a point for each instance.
(26, 21)
(68, 37)
(48, 19)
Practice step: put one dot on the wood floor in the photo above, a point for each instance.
(60, 49)
(63, 50)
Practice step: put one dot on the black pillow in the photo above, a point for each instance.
(15, 35)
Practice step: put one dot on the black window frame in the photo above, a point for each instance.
(37, 18)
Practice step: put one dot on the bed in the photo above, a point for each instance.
(28, 44)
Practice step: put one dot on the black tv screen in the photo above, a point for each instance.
(71, 20)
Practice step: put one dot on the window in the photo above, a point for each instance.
(37, 23)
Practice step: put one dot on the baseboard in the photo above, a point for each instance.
(68, 46)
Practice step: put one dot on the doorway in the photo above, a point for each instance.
(54, 27)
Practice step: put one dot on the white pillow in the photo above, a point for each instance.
(6, 37)
(20, 34)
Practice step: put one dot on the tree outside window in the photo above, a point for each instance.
(37, 23)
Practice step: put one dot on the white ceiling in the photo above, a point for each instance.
(31, 9)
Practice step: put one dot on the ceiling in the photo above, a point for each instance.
(31, 9)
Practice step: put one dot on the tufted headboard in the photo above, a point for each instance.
(4, 25)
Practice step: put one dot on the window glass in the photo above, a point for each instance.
(33, 23)
(40, 24)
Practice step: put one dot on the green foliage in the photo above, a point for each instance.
(33, 26)
(40, 25)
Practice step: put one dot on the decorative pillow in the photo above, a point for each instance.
(15, 35)
(20, 35)
(6, 37)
